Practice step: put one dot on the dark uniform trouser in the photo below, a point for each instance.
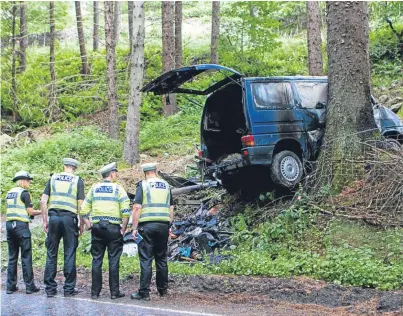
(19, 236)
(61, 225)
(106, 235)
(154, 245)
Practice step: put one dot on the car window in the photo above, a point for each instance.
(311, 93)
(272, 95)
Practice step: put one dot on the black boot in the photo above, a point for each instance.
(68, 294)
(33, 290)
(119, 295)
(11, 291)
(138, 296)
(163, 292)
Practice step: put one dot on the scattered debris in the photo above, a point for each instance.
(199, 234)
(198, 230)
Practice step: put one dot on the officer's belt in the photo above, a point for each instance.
(54, 212)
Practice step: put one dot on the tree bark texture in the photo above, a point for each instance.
(131, 145)
(85, 68)
(95, 43)
(13, 63)
(117, 15)
(130, 19)
(168, 51)
(215, 31)
(111, 71)
(53, 109)
(315, 63)
(23, 36)
(349, 108)
(178, 34)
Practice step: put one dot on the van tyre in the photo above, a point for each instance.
(286, 169)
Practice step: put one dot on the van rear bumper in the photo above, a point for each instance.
(260, 155)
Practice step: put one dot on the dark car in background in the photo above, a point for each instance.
(274, 122)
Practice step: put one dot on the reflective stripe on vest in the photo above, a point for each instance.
(105, 203)
(63, 194)
(156, 198)
(15, 208)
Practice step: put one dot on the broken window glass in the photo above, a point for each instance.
(272, 95)
(312, 93)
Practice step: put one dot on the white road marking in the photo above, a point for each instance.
(139, 306)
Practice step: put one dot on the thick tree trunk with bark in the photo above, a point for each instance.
(168, 51)
(315, 63)
(349, 108)
(23, 36)
(117, 14)
(13, 62)
(85, 68)
(130, 20)
(215, 31)
(53, 109)
(132, 145)
(95, 43)
(111, 71)
(178, 34)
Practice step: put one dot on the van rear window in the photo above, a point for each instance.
(312, 93)
(272, 95)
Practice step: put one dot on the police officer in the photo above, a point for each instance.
(19, 212)
(108, 204)
(65, 194)
(152, 215)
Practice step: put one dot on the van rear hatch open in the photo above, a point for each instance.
(173, 80)
(223, 121)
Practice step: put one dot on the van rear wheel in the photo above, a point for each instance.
(286, 169)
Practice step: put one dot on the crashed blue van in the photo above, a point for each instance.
(275, 122)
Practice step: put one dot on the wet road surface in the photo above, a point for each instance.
(39, 304)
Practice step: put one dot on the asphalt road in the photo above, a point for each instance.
(39, 304)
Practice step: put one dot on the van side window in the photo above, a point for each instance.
(272, 95)
(312, 93)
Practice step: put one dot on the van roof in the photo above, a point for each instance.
(281, 78)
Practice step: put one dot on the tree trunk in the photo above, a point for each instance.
(315, 63)
(215, 31)
(111, 71)
(85, 69)
(53, 109)
(130, 16)
(117, 13)
(96, 26)
(131, 145)
(349, 108)
(178, 34)
(23, 36)
(168, 51)
(13, 62)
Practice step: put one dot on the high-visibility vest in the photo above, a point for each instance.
(15, 208)
(63, 192)
(156, 201)
(108, 201)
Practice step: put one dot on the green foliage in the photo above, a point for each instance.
(384, 44)
(293, 244)
(38, 13)
(173, 135)
(249, 34)
(45, 157)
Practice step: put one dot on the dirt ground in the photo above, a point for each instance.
(302, 295)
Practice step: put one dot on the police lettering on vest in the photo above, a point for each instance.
(63, 192)
(106, 201)
(15, 208)
(156, 201)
